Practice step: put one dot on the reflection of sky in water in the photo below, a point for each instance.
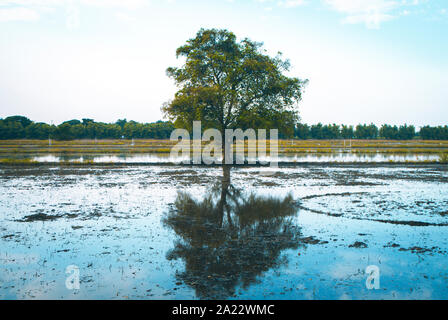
(122, 245)
(166, 158)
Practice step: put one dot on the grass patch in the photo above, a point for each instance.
(18, 161)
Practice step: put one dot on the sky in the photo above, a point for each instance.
(367, 61)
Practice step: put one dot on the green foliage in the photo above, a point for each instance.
(302, 131)
(347, 132)
(72, 122)
(320, 131)
(121, 122)
(39, 131)
(86, 121)
(227, 83)
(364, 131)
(24, 121)
(404, 132)
(13, 128)
(434, 133)
(389, 132)
(443, 158)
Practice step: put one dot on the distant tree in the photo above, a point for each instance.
(86, 121)
(130, 129)
(91, 130)
(19, 127)
(316, 131)
(121, 122)
(100, 130)
(302, 131)
(39, 131)
(24, 121)
(388, 132)
(161, 129)
(347, 132)
(364, 131)
(72, 122)
(113, 131)
(78, 131)
(331, 131)
(227, 83)
(434, 133)
(426, 133)
(406, 132)
(63, 132)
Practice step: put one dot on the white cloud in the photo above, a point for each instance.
(372, 13)
(285, 3)
(371, 20)
(125, 17)
(405, 13)
(31, 10)
(128, 4)
(291, 3)
(132, 4)
(356, 6)
(18, 14)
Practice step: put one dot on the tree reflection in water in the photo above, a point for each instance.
(230, 238)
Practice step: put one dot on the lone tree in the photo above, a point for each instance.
(230, 84)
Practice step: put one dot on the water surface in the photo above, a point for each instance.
(183, 232)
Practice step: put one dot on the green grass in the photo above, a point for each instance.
(18, 161)
(153, 146)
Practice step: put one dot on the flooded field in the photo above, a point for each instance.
(163, 158)
(141, 151)
(303, 231)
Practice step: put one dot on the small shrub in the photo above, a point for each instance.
(443, 158)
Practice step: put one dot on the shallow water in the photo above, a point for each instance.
(305, 157)
(183, 232)
(161, 158)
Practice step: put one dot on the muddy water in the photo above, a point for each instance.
(182, 232)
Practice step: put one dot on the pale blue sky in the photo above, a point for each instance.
(381, 61)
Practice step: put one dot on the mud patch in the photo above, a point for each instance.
(420, 250)
(359, 245)
(45, 217)
(312, 240)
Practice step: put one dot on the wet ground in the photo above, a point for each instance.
(184, 232)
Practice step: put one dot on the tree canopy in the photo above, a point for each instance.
(226, 83)
(19, 127)
(371, 131)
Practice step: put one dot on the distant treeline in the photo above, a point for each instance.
(19, 127)
(371, 131)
